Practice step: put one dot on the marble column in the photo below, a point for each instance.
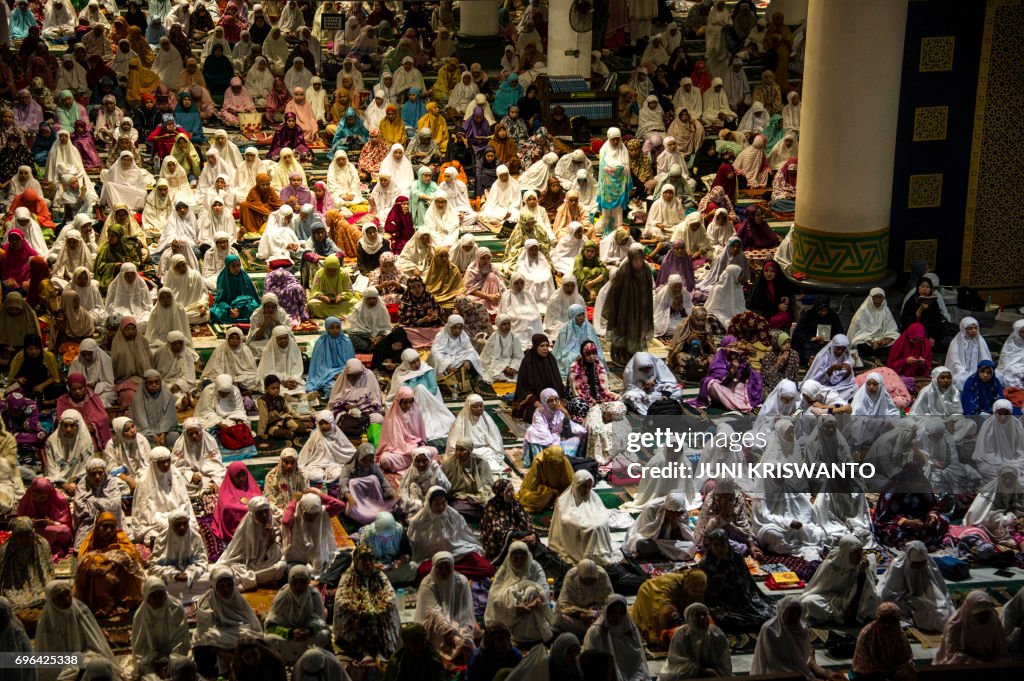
(562, 38)
(850, 95)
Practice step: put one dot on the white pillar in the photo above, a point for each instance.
(478, 18)
(562, 38)
(851, 89)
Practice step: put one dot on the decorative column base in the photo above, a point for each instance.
(852, 257)
(485, 50)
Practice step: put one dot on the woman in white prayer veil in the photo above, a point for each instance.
(444, 606)
(309, 539)
(125, 182)
(245, 174)
(424, 474)
(196, 453)
(463, 254)
(432, 530)
(97, 369)
(615, 633)
(441, 220)
(268, 316)
(458, 198)
(475, 424)
(967, 348)
(213, 260)
(177, 179)
(452, 348)
(913, 582)
(189, 291)
(326, 451)
(220, 404)
(826, 444)
(72, 254)
(168, 315)
(520, 584)
(161, 490)
(783, 519)
(167, 62)
(67, 624)
(579, 526)
(297, 606)
(646, 379)
(157, 209)
(999, 508)
(781, 403)
(258, 80)
(254, 555)
(835, 353)
(666, 316)
(652, 490)
(662, 532)
(316, 664)
(129, 296)
(784, 644)
(584, 592)
(521, 307)
(502, 353)
(235, 358)
(397, 166)
(534, 267)
(1000, 442)
(283, 362)
(831, 592)
(537, 175)
(275, 50)
(504, 199)
(841, 508)
(563, 255)
(873, 325)
(874, 412)
(696, 646)
(222, 615)
(230, 155)
(783, 150)
(557, 312)
(343, 180)
(159, 627)
(651, 121)
(65, 158)
(67, 454)
(714, 454)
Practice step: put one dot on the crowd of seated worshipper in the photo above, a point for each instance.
(229, 229)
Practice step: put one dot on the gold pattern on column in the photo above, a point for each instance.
(925, 191)
(917, 250)
(930, 123)
(992, 237)
(936, 54)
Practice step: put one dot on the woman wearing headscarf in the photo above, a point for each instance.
(366, 621)
(424, 474)
(223, 617)
(615, 633)
(34, 371)
(629, 309)
(981, 390)
(236, 296)
(974, 635)
(66, 623)
(109, 574)
(967, 348)
(254, 554)
(519, 598)
(237, 489)
(907, 510)
(326, 451)
(296, 621)
(159, 629)
(579, 526)
(417, 659)
(784, 645)
(914, 585)
(999, 507)
(26, 564)
(162, 489)
(444, 606)
(97, 493)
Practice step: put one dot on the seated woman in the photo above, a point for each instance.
(236, 297)
(882, 649)
(999, 508)
(924, 307)
(784, 188)
(154, 411)
(331, 292)
(547, 425)
(109, 574)
(731, 382)
(419, 313)
(974, 635)
(832, 367)
(470, 479)
(254, 555)
(647, 379)
(587, 381)
(727, 510)
(34, 371)
(661, 601)
(26, 566)
(220, 405)
(873, 412)
(967, 348)
(366, 621)
(841, 508)
(519, 598)
(50, 513)
(284, 481)
(369, 323)
(162, 489)
(66, 622)
(97, 493)
(418, 376)
(438, 527)
(296, 621)
(356, 387)
(179, 558)
(735, 602)
(661, 532)
(402, 432)
(981, 390)
(842, 590)
(784, 645)
(873, 329)
(698, 648)
(237, 489)
(584, 592)
(453, 356)
(903, 514)
(234, 358)
(364, 488)
(915, 586)
(579, 526)
(159, 627)
(444, 607)
(331, 352)
(327, 450)
(223, 617)
(808, 336)
(692, 345)
(502, 353)
(522, 309)
(616, 635)
(424, 473)
(911, 356)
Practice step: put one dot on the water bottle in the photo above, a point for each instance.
(400, 598)
(551, 593)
